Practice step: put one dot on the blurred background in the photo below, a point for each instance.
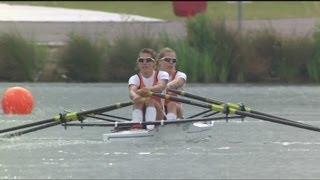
(215, 41)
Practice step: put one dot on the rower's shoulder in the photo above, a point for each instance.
(180, 72)
(134, 79)
(163, 74)
(134, 76)
(182, 75)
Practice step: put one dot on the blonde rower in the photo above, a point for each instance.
(148, 79)
(167, 62)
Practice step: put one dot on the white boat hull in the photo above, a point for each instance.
(169, 131)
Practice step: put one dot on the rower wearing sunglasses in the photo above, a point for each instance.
(147, 108)
(167, 62)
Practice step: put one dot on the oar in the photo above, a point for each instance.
(27, 125)
(32, 129)
(229, 110)
(62, 118)
(212, 101)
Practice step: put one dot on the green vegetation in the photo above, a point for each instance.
(122, 54)
(271, 57)
(20, 60)
(82, 59)
(210, 53)
(314, 63)
(164, 9)
(189, 58)
(202, 39)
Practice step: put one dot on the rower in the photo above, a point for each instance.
(140, 85)
(167, 62)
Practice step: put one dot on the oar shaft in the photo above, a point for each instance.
(279, 121)
(107, 108)
(31, 129)
(189, 95)
(265, 114)
(27, 125)
(187, 101)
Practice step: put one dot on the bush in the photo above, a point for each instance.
(82, 59)
(268, 45)
(20, 60)
(122, 55)
(295, 54)
(200, 33)
(313, 66)
(224, 50)
(191, 61)
(215, 42)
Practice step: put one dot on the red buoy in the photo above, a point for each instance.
(17, 100)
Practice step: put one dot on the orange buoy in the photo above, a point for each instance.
(17, 100)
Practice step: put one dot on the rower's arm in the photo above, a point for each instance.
(176, 83)
(161, 86)
(132, 92)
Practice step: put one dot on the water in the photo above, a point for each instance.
(250, 149)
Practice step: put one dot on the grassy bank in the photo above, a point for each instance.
(164, 10)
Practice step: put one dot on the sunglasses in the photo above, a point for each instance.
(169, 60)
(141, 60)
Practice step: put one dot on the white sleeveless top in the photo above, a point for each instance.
(148, 82)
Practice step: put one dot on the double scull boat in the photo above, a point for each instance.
(201, 123)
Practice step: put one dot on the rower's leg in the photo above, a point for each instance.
(151, 114)
(154, 111)
(172, 110)
(137, 113)
(179, 111)
(160, 111)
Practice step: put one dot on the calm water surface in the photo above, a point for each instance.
(250, 149)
